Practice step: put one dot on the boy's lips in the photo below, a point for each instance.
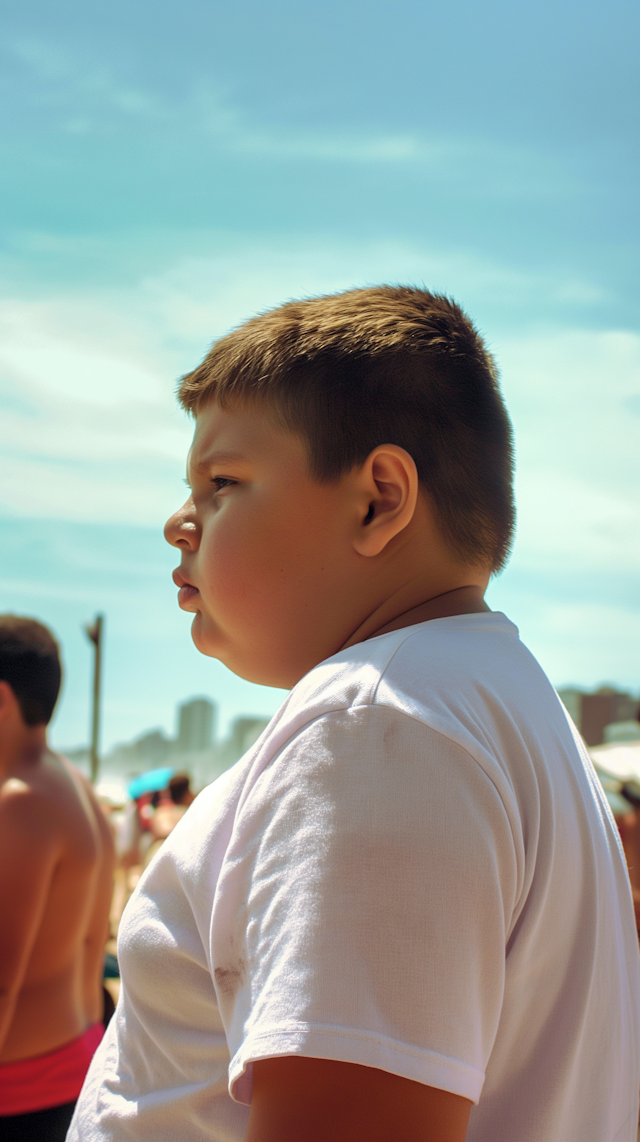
(187, 592)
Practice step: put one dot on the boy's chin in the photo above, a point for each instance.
(208, 640)
(203, 633)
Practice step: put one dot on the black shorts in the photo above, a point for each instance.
(40, 1126)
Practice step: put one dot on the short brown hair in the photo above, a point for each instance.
(388, 365)
(30, 663)
(179, 785)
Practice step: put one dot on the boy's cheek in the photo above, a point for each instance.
(226, 546)
(240, 566)
(233, 594)
(217, 566)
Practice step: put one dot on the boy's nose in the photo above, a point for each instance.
(181, 529)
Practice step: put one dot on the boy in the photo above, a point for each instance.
(56, 870)
(404, 914)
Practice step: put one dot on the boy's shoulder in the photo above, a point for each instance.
(441, 673)
(461, 683)
(469, 678)
(439, 656)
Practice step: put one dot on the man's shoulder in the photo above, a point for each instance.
(24, 793)
(27, 811)
(44, 791)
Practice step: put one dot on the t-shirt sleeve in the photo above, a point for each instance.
(362, 910)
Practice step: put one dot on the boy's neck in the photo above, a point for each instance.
(466, 600)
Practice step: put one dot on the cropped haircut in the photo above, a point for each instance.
(30, 663)
(179, 784)
(387, 365)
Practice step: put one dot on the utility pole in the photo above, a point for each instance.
(94, 633)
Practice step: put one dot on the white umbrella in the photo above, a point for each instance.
(621, 761)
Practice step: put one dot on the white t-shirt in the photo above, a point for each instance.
(414, 868)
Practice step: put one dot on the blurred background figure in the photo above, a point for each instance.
(617, 764)
(56, 876)
(157, 801)
(170, 807)
(173, 805)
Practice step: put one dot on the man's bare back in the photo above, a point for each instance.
(56, 869)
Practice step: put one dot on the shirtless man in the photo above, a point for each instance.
(56, 868)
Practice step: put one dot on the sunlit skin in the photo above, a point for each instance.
(280, 572)
(296, 1099)
(56, 874)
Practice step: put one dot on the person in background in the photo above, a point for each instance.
(629, 826)
(136, 843)
(168, 812)
(56, 873)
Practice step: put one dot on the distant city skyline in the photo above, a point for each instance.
(604, 715)
(196, 723)
(195, 747)
(596, 713)
(196, 720)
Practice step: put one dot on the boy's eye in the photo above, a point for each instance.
(221, 482)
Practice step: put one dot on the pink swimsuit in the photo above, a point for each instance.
(48, 1080)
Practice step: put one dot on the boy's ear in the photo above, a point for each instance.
(388, 492)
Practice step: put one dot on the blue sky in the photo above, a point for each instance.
(168, 170)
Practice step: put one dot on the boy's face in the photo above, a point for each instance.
(268, 563)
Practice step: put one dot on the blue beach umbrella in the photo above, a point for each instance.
(150, 782)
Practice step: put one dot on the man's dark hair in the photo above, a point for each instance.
(179, 786)
(30, 663)
(388, 365)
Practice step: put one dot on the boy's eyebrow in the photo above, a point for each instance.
(216, 458)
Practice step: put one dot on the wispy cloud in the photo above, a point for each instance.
(87, 431)
(85, 99)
